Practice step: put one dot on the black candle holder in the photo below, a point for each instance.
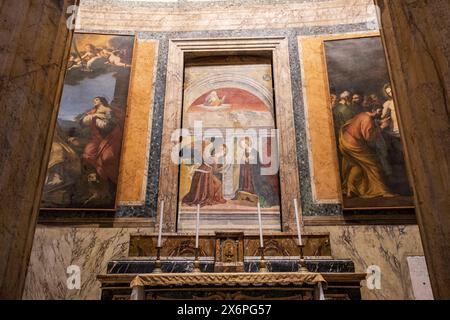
(302, 263)
(157, 268)
(262, 262)
(196, 264)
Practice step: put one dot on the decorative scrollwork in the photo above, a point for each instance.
(228, 279)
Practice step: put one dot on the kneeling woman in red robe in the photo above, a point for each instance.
(103, 149)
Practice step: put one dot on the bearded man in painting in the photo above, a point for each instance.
(356, 105)
(361, 170)
(344, 111)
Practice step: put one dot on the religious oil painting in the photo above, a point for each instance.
(370, 153)
(84, 162)
(229, 155)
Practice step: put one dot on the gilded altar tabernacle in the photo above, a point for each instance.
(229, 255)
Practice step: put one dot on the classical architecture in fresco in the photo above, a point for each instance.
(205, 150)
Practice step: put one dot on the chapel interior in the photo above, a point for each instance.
(212, 149)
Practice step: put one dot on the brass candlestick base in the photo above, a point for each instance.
(301, 263)
(196, 264)
(157, 268)
(262, 262)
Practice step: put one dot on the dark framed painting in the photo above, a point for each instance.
(368, 138)
(83, 168)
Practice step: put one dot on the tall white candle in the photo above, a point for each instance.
(261, 239)
(297, 219)
(161, 219)
(197, 227)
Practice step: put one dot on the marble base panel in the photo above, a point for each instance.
(207, 265)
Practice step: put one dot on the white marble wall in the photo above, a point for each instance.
(221, 15)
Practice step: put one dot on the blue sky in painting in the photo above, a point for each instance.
(78, 99)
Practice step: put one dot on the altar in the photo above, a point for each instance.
(228, 217)
(220, 276)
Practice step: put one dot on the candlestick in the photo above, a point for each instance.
(301, 262)
(157, 268)
(261, 239)
(196, 264)
(161, 219)
(197, 227)
(297, 219)
(262, 262)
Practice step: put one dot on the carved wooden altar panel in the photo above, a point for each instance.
(278, 245)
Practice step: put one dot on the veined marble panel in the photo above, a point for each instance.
(221, 15)
(385, 246)
(56, 248)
